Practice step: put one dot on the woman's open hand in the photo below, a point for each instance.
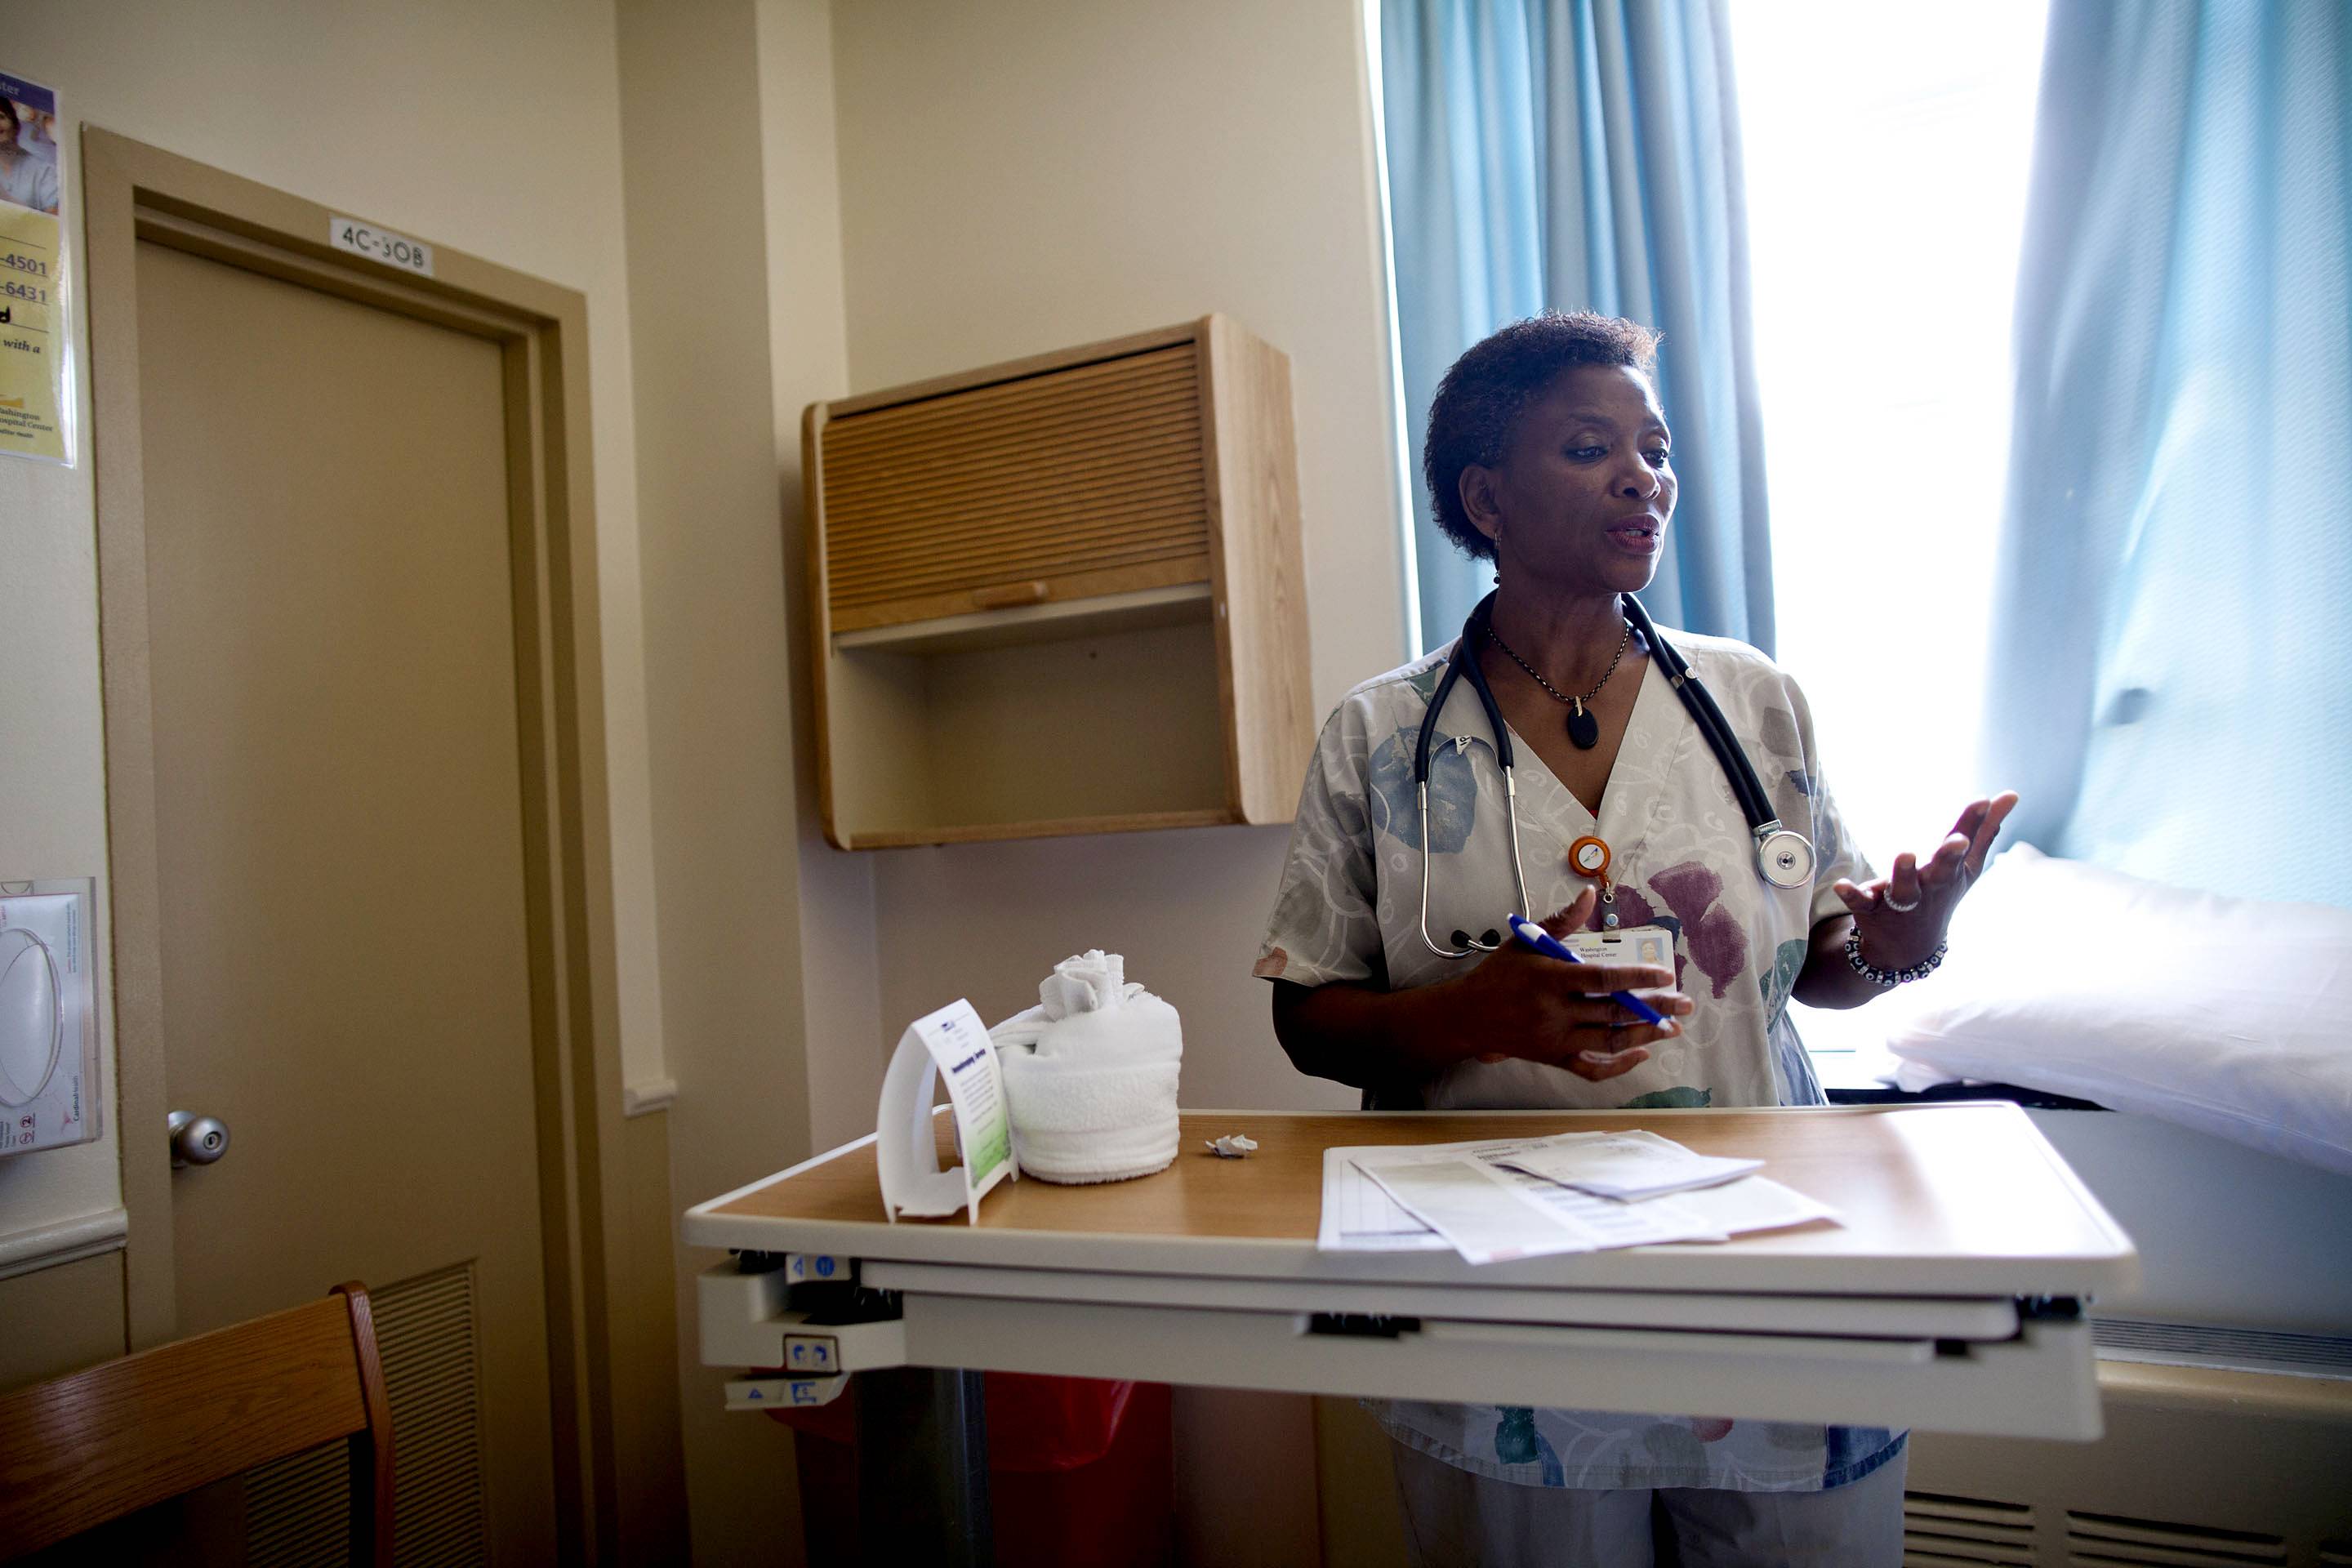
(1902, 916)
(1522, 1003)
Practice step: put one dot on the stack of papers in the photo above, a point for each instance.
(1629, 1165)
(1499, 1200)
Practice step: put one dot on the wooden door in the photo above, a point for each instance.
(339, 859)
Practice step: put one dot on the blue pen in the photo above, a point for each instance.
(1543, 941)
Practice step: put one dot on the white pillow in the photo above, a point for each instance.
(2231, 1015)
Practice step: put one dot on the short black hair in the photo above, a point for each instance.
(1478, 406)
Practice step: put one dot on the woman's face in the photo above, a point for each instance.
(1580, 502)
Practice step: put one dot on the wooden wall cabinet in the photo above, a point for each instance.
(1060, 596)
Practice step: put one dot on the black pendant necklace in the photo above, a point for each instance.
(1583, 728)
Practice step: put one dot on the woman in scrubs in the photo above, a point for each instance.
(1548, 454)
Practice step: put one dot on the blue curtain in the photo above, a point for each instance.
(2174, 614)
(1583, 154)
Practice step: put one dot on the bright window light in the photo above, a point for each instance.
(1887, 149)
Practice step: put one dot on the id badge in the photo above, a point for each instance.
(1634, 944)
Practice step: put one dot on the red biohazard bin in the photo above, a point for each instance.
(1080, 1470)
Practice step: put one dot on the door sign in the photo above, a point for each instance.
(381, 245)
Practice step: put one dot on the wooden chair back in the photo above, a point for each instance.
(77, 1451)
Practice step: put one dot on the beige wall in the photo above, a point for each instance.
(60, 1319)
(1022, 177)
(1033, 174)
(1027, 175)
(490, 129)
(727, 114)
(791, 203)
(810, 358)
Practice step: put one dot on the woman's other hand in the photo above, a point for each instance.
(1521, 1002)
(1902, 916)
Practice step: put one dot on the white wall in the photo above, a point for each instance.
(2227, 1234)
(490, 129)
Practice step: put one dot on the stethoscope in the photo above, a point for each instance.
(1784, 858)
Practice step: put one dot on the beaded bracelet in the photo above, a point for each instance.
(1888, 977)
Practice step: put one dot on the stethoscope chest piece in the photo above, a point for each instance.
(1784, 856)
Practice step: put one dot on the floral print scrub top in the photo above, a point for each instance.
(1682, 858)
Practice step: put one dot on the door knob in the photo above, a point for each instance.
(197, 1140)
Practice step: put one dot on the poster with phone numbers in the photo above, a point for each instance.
(36, 356)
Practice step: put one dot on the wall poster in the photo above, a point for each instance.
(36, 327)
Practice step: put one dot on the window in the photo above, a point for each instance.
(1887, 149)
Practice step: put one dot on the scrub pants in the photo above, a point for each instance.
(1456, 1519)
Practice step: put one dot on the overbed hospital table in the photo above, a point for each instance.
(1951, 1299)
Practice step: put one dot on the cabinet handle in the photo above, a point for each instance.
(1006, 595)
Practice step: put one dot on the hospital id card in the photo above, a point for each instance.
(1635, 944)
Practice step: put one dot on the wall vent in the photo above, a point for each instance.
(1941, 1531)
(2104, 1538)
(297, 1510)
(2199, 1344)
(2224, 1470)
(425, 1329)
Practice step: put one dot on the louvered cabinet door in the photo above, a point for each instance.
(1081, 482)
(1060, 596)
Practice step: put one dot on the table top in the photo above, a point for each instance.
(1946, 1199)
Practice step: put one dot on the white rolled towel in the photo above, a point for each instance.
(1090, 1075)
